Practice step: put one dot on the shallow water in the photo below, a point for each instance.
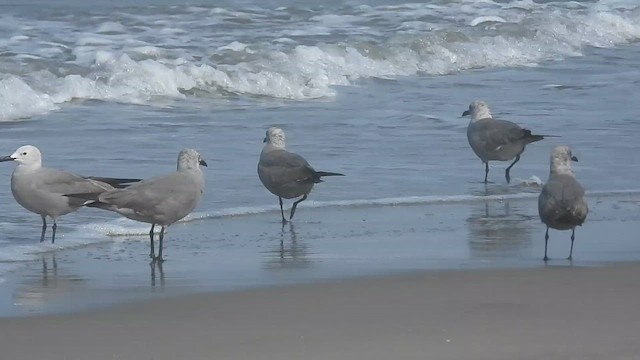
(246, 251)
(372, 90)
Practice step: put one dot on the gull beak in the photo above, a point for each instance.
(6, 158)
(264, 140)
(202, 162)
(466, 113)
(573, 158)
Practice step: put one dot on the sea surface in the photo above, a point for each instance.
(372, 89)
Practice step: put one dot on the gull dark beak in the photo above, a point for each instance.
(202, 162)
(264, 140)
(573, 158)
(466, 113)
(6, 158)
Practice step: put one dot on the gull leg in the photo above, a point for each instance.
(284, 221)
(506, 172)
(486, 171)
(573, 237)
(44, 228)
(152, 254)
(295, 204)
(159, 258)
(546, 239)
(54, 227)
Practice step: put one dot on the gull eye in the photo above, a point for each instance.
(24, 153)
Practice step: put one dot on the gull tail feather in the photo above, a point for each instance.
(117, 183)
(326, 173)
(529, 137)
(318, 174)
(91, 199)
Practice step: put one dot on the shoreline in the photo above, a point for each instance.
(239, 253)
(547, 312)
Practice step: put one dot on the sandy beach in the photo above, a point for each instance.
(555, 312)
(410, 255)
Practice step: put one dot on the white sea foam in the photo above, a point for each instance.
(133, 59)
(148, 50)
(124, 227)
(121, 227)
(94, 40)
(19, 38)
(234, 46)
(111, 27)
(19, 100)
(484, 19)
(533, 181)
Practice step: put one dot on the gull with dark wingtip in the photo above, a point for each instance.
(41, 190)
(285, 174)
(496, 140)
(162, 200)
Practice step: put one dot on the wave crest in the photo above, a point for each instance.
(116, 63)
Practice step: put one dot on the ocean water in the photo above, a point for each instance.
(372, 89)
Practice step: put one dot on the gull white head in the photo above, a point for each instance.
(27, 155)
(478, 110)
(275, 137)
(189, 159)
(561, 159)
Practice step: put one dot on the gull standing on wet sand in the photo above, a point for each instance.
(41, 190)
(499, 140)
(562, 204)
(162, 200)
(285, 174)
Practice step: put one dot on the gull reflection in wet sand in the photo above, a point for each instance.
(497, 228)
(45, 271)
(156, 272)
(290, 252)
(44, 286)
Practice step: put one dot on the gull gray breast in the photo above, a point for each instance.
(285, 174)
(41, 190)
(562, 204)
(492, 139)
(161, 200)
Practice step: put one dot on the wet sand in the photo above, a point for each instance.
(555, 312)
(238, 253)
